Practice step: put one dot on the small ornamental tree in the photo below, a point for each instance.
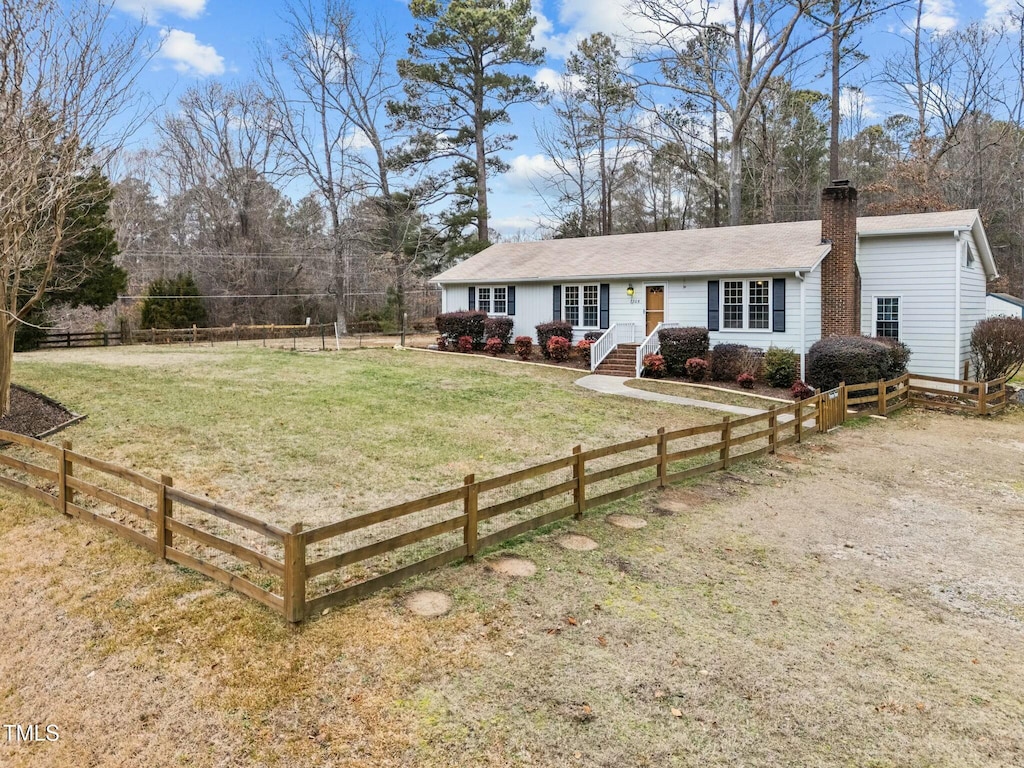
(697, 368)
(997, 347)
(547, 331)
(583, 350)
(654, 366)
(524, 347)
(173, 303)
(558, 348)
(681, 344)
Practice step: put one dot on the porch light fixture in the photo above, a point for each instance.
(629, 290)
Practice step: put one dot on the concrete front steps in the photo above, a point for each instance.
(621, 361)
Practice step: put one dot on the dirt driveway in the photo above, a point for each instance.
(856, 602)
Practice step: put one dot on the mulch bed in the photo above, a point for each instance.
(758, 388)
(573, 363)
(33, 414)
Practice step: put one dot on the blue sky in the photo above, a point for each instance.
(214, 39)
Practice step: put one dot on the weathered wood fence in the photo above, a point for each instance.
(57, 339)
(298, 572)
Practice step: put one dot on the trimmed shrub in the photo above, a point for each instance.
(454, 325)
(781, 367)
(745, 380)
(681, 344)
(583, 350)
(997, 347)
(494, 346)
(855, 360)
(558, 348)
(592, 336)
(499, 328)
(728, 361)
(654, 366)
(524, 347)
(548, 331)
(697, 368)
(800, 391)
(465, 344)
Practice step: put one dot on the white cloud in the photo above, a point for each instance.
(855, 104)
(579, 19)
(527, 169)
(997, 12)
(151, 10)
(188, 55)
(547, 78)
(939, 15)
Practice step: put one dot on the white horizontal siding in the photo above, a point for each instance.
(996, 307)
(920, 270)
(972, 296)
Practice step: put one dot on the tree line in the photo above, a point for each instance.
(355, 162)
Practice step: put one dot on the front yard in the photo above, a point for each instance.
(858, 600)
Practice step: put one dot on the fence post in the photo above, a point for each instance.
(723, 454)
(295, 574)
(164, 510)
(662, 458)
(799, 421)
(471, 506)
(881, 397)
(579, 494)
(64, 469)
(773, 425)
(982, 398)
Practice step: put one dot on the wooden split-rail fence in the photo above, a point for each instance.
(298, 572)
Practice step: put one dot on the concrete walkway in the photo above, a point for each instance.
(613, 385)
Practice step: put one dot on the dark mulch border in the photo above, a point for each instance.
(47, 418)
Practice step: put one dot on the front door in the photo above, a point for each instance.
(655, 307)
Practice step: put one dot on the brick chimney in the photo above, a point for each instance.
(840, 279)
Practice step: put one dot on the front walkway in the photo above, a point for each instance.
(614, 385)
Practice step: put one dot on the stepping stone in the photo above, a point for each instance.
(630, 522)
(512, 566)
(428, 603)
(577, 542)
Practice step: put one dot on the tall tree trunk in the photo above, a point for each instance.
(735, 180)
(7, 329)
(482, 225)
(833, 139)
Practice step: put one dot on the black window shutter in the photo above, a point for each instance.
(472, 298)
(779, 305)
(510, 298)
(556, 302)
(604, 300)
(712, 305)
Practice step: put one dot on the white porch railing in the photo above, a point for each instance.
(617, 333)
(650, 346)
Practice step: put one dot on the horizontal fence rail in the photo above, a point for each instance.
(57, 339)
(298, 572)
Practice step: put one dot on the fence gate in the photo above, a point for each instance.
(833, 408)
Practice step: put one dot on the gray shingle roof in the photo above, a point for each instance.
(757, 248)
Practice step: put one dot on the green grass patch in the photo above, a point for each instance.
(316, 437)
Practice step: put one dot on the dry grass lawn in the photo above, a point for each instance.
(858, 601)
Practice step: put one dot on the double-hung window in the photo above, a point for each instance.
(580, 305)
(746, 305)
(499, 300)
(887, 317)
(483, 299)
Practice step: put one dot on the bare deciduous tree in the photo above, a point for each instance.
(65, 103)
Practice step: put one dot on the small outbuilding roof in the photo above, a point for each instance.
(751, 249)
(1008, 298)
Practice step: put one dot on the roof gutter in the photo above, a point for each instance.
(779, 271)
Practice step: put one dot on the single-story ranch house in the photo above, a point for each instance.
(919, 278)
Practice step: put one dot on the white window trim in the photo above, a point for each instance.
(899, 314)
(490, 289)
(746, 304)
(580, 286)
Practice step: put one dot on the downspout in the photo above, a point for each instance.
(960, 243)
(803, 325)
